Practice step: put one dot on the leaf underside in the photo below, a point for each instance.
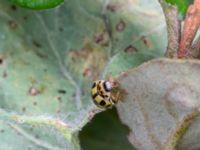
(161, 104)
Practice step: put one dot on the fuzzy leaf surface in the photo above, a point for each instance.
(161, 105)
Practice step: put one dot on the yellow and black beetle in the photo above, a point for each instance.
(101, 94)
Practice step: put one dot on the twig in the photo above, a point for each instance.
(191, 25)
(173, 29)
(194, 51)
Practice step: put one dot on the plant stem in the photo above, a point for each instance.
(191, 25)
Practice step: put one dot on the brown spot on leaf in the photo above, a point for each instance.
(41, 55)
(25, 17)
(98, 38)
(73, 95)
(36, 44)
(1, 61)
(2, 130)
(23, 109)
(33, 91)
(145, 41)
(111, 7)
(61, 29)
(124, 74)
(59, 99)
(92, 113)
(19, 134)
(35, 103)
(88, 56)
(32, 128)
(130, 49)
(58, 111)
(120, 26)
(4, 74)
(83, 91)
(87, 73)
(37, 136)
(78, 54)
(12, 24)
(61, 91)
(13, 7)
(30, 148)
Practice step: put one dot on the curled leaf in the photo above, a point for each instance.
(162, 104)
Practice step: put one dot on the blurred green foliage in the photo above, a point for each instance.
(181, 4)
(105, 132)
(37, 4)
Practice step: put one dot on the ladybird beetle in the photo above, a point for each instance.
(101, 94)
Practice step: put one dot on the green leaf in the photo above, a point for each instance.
(144, 39)
(37, 4)
(181, 4)
(49, 59)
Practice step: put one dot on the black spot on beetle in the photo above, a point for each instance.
(95, 102)
(94, 96)
(93, 85)
(108, 106)
(98, 88)
(102, 103)
(102, 95)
